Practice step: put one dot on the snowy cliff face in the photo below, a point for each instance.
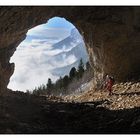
(69, 52)
(36, 61)
(73, 49)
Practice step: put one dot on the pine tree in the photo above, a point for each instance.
(65, 81)
(49, 86)
(72, 73)
(88, 67)
(80, 69)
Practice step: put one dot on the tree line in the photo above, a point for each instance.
(66, 84)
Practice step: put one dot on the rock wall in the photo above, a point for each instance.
(111, 36)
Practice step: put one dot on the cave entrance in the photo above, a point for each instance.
(49, 51)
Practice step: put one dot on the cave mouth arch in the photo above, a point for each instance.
(35, 60)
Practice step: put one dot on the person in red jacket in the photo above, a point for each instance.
(109, 84)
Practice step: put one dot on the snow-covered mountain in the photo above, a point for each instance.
(72, 47)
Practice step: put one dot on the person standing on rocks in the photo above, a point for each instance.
(109, 84)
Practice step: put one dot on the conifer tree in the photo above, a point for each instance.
(49, 86)
(72, 73)
(88, 67)
(80, 69)
(65, 81)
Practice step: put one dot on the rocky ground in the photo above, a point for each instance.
(125, 96)
(93, 112)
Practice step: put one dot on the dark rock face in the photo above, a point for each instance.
(111, 36)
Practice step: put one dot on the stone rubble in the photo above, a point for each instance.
(125, 96)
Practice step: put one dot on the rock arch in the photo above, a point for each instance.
(111, 35)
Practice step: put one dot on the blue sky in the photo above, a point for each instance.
(36, 59)
(56, 27)
(58, 22)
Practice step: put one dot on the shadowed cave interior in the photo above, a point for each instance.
(111, 36)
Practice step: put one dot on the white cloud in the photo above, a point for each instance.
(34, 64)
(41, 32)
(35, 58)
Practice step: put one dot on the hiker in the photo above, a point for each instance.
(109, 84)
